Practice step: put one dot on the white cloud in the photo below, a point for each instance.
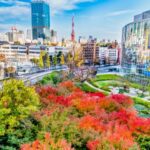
(19, 10)
(61, 5)
(14, 2)
(120, 12)
(14, 10)
(15, 13)
(57, 6)
(18, 13)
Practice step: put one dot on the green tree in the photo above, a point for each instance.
(47, 61)
(41, 59)
(55, 60)
(34, 61)
(16, 103)
(59, 57)
(62, 60)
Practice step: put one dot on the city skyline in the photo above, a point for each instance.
(113, 15)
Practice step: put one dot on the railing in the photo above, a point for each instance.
(36, 76)
(34, 79)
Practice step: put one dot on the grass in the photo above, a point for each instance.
(87, 88)
(103, 82)
(138, 100)
(107, 77)
(143, 111)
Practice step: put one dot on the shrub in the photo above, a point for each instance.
(17, 102)
(47, 143)
(87, 120)
(53, 78)
(25, 132)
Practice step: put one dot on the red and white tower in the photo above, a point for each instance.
(73, 32)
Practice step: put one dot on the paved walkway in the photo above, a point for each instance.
(100, 90)
(95, 88)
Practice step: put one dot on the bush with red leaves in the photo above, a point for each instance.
(111, 121)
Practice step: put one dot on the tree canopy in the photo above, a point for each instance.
(16, 103)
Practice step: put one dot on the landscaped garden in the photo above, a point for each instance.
(60, 114)
(114, 84)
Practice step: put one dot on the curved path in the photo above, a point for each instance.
(31, 79)
(95, 88)
(100, 90)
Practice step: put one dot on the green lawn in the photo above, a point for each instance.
(105, 81)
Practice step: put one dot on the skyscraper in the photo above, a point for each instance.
(40, 19)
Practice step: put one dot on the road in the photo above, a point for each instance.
(34, 78)
(31, 79)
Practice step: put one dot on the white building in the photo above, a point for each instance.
(52, 50)
(16, 36)
(29, 35)
(14, 53)
(82, 40)
(102, 54)
(112, 56)
(22, 54)
(3, 37)
(108, 55)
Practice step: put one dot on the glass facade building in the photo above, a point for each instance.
(40, 19)
(136, 41)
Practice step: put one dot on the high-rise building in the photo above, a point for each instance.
(40, 19)
(16, 36)
(90, 51)
(136, 42)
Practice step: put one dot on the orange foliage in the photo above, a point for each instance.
(46, 144)
(112, 117)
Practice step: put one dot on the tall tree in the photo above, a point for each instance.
(77, 71)
(16, 103)
(34, 61)
(55, 60)
(41, 61)
(47, 61)
(62, 60)
(75, 58)
(59, 56)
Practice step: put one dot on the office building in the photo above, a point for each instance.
(109, 56)
(90, 51)
(40, 19)
(136, 42)
(16, 36)
(22, 53)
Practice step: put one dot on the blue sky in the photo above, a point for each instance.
(103, 19)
